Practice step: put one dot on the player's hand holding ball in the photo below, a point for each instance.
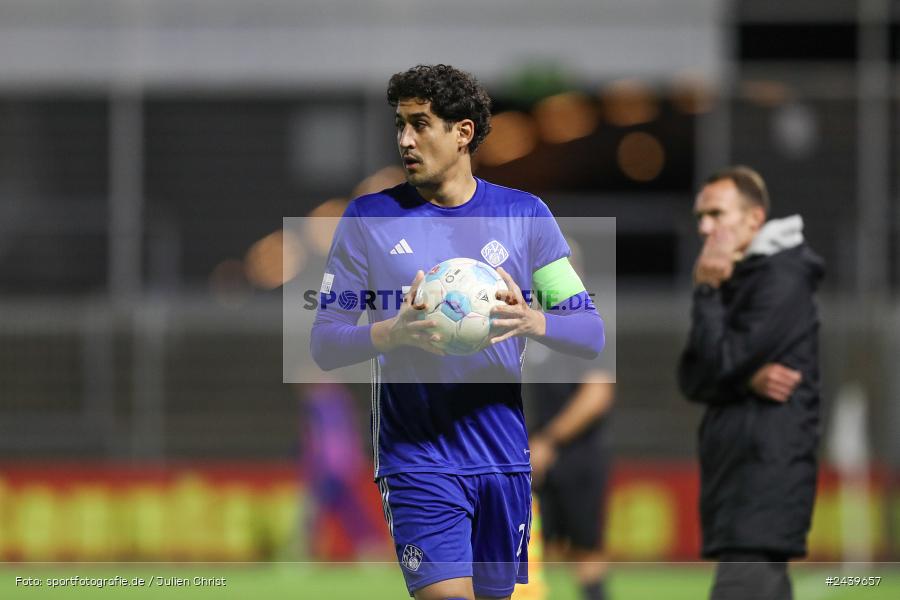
(514, 316)
(460, 307)
(458, 295)
(408, 328)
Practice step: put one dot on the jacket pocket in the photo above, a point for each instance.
(772, 429)
(726, 435)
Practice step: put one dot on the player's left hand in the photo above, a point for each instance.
(775, 382)
(515, 317)
(543, 455)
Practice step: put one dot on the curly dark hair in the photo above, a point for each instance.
(454, 95)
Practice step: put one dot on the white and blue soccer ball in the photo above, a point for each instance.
(458, 295)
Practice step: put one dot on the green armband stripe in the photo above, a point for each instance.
(556, 282)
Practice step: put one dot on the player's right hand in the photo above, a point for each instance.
(716, 261)
(775, 382)
(408, 328)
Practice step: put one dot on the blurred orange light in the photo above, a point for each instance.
(765, 93)
(333, 207)
(640, 156)
(693, 95)
(318, 229)
(228, 285)
(513, 135)
(382, 179)
(565, 117)
(629, 102)
(274, 260)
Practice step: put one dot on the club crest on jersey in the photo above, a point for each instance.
(412, 557)
(494, 253)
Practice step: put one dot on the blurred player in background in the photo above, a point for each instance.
(333, 463)
(570, 458)
(752, 359)
(451, 459)
(570, 462)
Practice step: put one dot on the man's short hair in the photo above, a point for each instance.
(748, 182)
(454, 95)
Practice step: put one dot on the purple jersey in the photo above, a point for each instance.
(426, 418)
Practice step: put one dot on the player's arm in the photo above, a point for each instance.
(336, 339)
(573, 324)
(721, 355)
(578, 330)
(592, 399)
(406, 329)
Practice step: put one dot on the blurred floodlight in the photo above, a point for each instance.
(513, 135)
(274, 260)
(319, 229)
(228, 284)
(565, 117)
(795, 128)
(629, 102)
(640, 156)
(381, 179)
(693, 94)
(765, 92)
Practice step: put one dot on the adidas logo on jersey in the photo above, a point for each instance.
(402, 247)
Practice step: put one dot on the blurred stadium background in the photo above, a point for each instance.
(149, 150)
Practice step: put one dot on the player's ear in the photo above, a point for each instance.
(758, 216)
(465, 131)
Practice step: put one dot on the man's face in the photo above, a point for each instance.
(720, 207)
(428, 148)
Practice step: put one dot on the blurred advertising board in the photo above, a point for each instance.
(233, 511)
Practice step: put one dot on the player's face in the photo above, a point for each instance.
(720, 206)
(429, 148)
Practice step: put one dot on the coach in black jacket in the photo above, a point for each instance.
(752, 359)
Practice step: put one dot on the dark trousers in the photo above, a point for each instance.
(751, 576)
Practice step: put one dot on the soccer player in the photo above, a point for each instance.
(570, 459)
(752, 359)
(333, 460)
(570, 462)
(451, 457)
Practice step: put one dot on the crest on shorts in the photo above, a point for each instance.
(494, 253)
(412, 557)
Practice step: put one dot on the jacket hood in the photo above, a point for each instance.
(784, 238)
(777, 235)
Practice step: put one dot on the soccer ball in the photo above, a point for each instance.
(458, 295)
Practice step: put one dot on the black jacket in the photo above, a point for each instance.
(757, 456)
